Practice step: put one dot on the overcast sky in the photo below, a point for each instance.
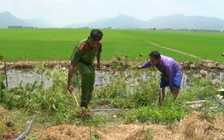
(64, 12)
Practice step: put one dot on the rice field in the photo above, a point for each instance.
(58, 44)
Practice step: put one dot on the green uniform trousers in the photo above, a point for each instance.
(88, 78)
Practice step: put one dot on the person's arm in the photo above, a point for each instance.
(145, 65)
(98, 60)
(74, 60)
(98, 56)
(70, 75)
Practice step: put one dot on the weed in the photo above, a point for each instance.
(134, 91)
(130, 89)
(167, 114)
(147, 134)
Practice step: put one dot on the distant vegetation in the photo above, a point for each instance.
(58, 44)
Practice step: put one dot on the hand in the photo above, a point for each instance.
(139, 67)
(70, 88)
(98, 67)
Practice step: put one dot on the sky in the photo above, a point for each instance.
(64, 12)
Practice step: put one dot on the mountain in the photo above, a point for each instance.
(177, 21)
(39, 22)
(121, 21)
(7, 19)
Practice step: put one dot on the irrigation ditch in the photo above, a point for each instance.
(24, 71)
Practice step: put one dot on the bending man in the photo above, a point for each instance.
(171, 73)
(82, 59)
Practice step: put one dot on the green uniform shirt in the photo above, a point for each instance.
(84, 53)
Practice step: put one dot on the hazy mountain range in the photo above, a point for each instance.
(177, 21)
(7, 19)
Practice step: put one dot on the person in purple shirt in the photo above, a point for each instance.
(171, 73)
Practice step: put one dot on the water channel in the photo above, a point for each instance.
(16, 77)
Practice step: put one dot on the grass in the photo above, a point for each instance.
(57, 44)
(137, 103)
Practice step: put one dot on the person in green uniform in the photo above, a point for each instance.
(82, 59)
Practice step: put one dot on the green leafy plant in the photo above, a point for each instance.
(133, 92)
(130, 89)
(167, 114)
(33, 97)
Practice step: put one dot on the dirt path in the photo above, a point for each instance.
(170, 49)
(173, 50)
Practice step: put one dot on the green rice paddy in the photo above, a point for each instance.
(58, 44)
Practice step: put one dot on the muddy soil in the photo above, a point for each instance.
(11, 132)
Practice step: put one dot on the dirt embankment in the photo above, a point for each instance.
(196, 126)
(204, 64)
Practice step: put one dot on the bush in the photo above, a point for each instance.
(167, 114)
